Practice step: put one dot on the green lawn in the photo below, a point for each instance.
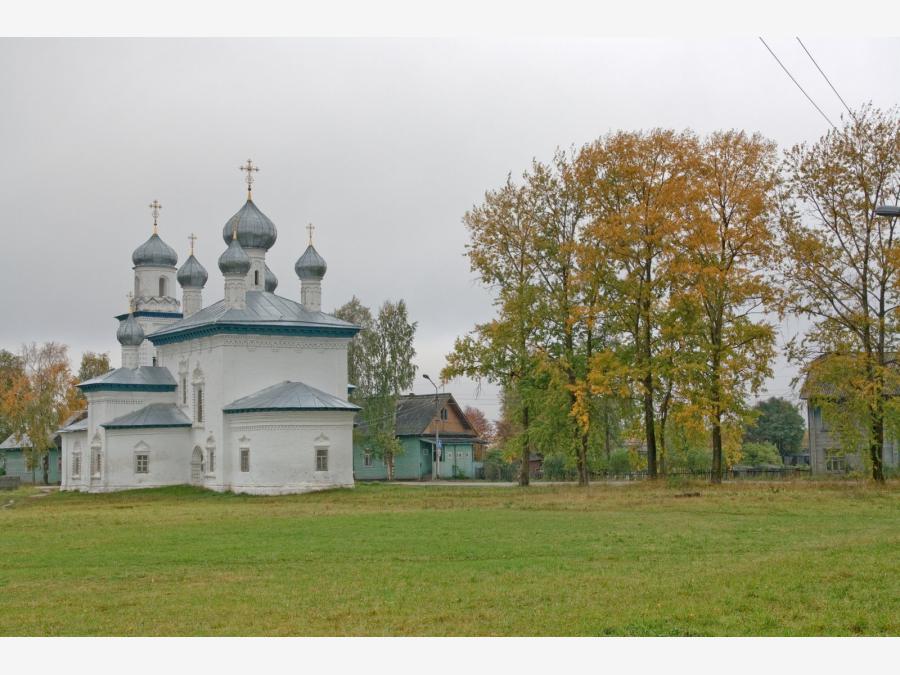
(762, 559)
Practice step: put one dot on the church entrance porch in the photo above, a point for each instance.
(197, 466)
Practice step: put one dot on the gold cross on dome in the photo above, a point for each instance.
(192, 239)
(310, 228)
(249, 167)
(155, 206)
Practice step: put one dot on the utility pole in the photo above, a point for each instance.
(436, 465)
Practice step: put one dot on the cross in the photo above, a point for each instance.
(249, 168)
(155, 206)
(310, 228)
(192, 239)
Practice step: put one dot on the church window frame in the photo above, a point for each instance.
(163, 287)
(256, 277)
(96, 462)
(211, 460)
(322, 458)
(142, 462)
(184, 390)
(76, 464)
(245, 460)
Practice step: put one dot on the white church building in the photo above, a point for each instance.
(248, 394)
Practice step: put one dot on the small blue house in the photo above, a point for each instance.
(14, 459)
(461, 451)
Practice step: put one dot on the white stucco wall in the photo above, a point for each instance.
(169, 452)
(283, 451)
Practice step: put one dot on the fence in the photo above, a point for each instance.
(735, 473)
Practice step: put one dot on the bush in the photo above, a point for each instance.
(555, 467)
(758, 454)
(619, 462)
(495, 466)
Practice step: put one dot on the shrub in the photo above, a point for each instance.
(757, 454)
(619, 462)
(555, 467)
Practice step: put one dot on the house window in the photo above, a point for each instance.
(367, 457)
(211, 453)
(162, 287)
(198, 409)
(245, 459)
(835, 464)
(76, 465)
(321, 459)
(444, 414)
(142, 462)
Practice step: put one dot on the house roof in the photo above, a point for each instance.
(143, 378)
(288, 396)
(14, 442)
(416, 411)
(153, 415)
(265, 313)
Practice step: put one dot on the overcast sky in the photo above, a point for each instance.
(382, 143)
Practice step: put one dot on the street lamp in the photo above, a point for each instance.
(436, 466)
(888, 211)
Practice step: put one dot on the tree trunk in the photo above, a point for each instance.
(716, 476)
(389, 461)
(650, 426)
(524, 477)
(45, 466)
(876, 447)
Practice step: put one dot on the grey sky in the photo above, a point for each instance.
(383, 144)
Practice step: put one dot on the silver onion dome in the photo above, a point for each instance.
(154, 252)
(254, 229)
(235, 260)
(310, 265)
(271, 280)
(130, 333)
(192, 274)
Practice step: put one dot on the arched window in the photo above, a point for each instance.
(256, 277)
(162, 287)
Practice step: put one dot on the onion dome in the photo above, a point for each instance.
(235, 260)
(130, 333)
(154, 252)
(192, 274)
(310, 265)
(271, 280)
(254, 229)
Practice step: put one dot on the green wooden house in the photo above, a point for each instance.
(14, 460)
(461, 451)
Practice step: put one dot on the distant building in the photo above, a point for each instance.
(461, 451)
(825, 452)
(14, 459)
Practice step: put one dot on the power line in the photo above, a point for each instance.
(809, 98)
(826, 77)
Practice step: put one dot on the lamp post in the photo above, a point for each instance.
(888, 211)
(436, 465)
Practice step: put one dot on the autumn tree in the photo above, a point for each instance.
(637, 201)
(840, 266)
(10, 370)
(39, 399)
(483, 426)
(722, 261)
(501, 252)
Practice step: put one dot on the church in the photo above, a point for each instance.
(248, 394)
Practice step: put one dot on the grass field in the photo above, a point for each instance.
(640, 559)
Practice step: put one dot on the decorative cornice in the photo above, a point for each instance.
(279, 410)
(240, 329)
(145, 426)
(102, 386)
